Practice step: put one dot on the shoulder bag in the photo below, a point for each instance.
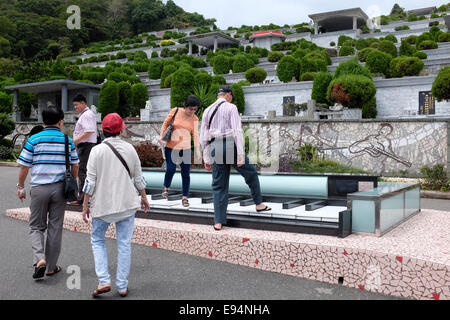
(168, 132)
(70, 184)
(118, 156)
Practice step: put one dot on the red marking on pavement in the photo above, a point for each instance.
(292, 265)
(181, 236)
(257, 261)
(155, 245)
(399, 258)
(345, 252)
(75, 229)
(210, 254)
(436, 296)
(361, 287)
(245, 239)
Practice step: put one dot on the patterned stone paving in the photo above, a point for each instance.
(412, 260)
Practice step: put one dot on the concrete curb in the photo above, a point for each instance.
(434, 194)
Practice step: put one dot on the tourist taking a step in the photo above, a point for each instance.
(45, 154)
(114, 177)
(179, 126)
(222, 142)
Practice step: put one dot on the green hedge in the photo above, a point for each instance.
(167, 70)
(441, 85)
(346, 51)
(108, 98)
(427, 44)
(388, 47)
(351, 90)
(308, 76)
(203, 79)
(320, 86)
(275, 56)
(423, 37)
(288, 68)
(444, 37)
(154, 69)
(125, 99)
(421, 55)
(256, 75)
(369, 109)
(405, 66)
(239, 99)
(242, 63)
(362, 54)
(182, 86)
(351, 67)
(406, 49)
(222, 64)
(139, 97)
(361, 44)
(378, 62)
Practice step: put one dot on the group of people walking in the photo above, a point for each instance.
(112, 187)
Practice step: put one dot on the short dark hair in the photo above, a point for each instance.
(192, 101)
(52, 115)
(79, 98)
(109, 134)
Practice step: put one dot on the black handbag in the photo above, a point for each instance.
(168, 132)
(70, 184)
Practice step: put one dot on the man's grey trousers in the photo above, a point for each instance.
(47, 213)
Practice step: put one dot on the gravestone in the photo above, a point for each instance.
(426, 103)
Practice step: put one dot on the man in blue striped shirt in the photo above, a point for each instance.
(44, 153)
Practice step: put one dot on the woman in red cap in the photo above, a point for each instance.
(178, 149)
(113, 175)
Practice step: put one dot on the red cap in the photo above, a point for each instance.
(113, 123)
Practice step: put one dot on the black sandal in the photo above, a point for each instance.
(39, 272)
(185, 202)
(264, 209)
(58, 269)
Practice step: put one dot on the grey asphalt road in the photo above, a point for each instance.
(155, 274)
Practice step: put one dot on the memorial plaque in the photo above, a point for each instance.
(426, 103)
(287, 101)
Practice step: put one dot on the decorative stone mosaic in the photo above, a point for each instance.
(411, 261)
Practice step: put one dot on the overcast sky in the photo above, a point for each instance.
(260, 12)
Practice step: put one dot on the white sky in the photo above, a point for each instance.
(260, 12)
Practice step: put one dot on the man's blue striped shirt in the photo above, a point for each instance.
(44, 152)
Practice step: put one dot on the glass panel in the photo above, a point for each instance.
(412, 201)
(391, 211)
(363, 216)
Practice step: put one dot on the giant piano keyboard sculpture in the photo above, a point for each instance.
(315, 204)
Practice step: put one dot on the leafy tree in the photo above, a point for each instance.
(5, 47)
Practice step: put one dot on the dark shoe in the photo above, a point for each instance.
(124, 294)
(185, 202)
(217, 229)
(58, 269)
(39, 272)
(98, 291)
(264, 209)
(75, 203)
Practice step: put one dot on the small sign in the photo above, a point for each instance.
(426, 103)
(289, 99)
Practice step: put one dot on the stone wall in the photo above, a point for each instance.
(378, 146)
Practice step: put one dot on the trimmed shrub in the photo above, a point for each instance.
(155, 54)
(313, 62)
(139, 97)
(239, 99)
(349, 43)
(388, 47)
(361, 44)
(241, 63)
(441, 85)
(346, 51)
(308, 76)
(154, 69)
(342, 39)
(222, 64)
(427, 44)
(406, 49)
(218, 79)
(374, 45)
(378, 62)
(351, 90)
(288, 68)
(444, 37)
(256, 75)
(411, 39)
(244, 83)
(118, 77)
(108, 98)
(168, 81)
(421, 55)
(391, 37)
(351, 67)
(203, 79)
(423, 37)
(369, 109)
(275, 56)
(320, 86)
(405, 66)
(399, 28)
(332, 44)
(95, 77)
(181, 87)
(165, 43)
(168, 70)
(124, 106)
(363, 53)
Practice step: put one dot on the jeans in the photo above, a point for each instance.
(124, 233)
(221, 178)
(184, 159)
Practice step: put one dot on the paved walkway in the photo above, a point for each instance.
(155, 273)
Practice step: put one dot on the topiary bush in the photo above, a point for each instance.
(444, 37)
(125, 99)
(308, 76)
(346, 51)
(351, 67)
(139, 97)
(388, 47)
(406, 49)
(391, 37)
(256, 75)
(182, 86)
(275, 56)
(155, 68)
(351, 90)
(320, 86)
(405, 66)
(378, 62)
(363, 53)
(288, 68)
(361, 44)
(369, 109)
(168, 70)
(423, 37)
(203, 79)
(108, 101)
(241, 63)
(222, 64)
(218, 79)
(421, 55)
(411, 39)
(342, 39)
(239, 99)
(427, 44)
(441, 85)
